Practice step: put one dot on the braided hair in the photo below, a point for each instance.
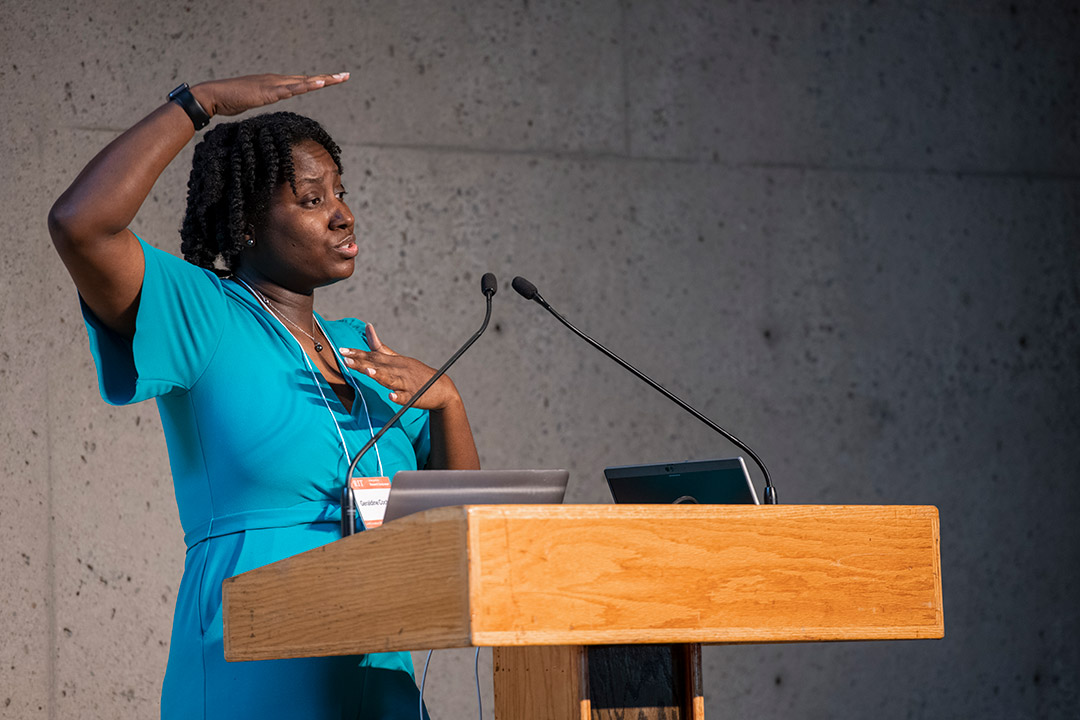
(234, 171)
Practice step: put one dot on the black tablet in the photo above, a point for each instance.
(706, 482)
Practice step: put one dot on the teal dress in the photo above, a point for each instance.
(258, 456)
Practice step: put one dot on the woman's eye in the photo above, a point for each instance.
(341, 194)
(312, 201)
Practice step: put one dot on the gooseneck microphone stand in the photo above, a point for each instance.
(488, 285)
(528, 291)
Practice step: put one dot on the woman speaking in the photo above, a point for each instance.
(262, 400)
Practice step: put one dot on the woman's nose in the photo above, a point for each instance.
(342, 217)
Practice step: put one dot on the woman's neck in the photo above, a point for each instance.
(297, 306)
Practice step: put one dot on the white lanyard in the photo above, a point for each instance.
(356, 389)
(314, 378)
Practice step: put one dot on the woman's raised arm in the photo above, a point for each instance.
(89, 221)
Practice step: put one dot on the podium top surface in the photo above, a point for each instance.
(506, 575)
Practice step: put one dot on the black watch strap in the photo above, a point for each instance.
(182, 96)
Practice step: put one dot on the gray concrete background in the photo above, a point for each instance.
(848, 231)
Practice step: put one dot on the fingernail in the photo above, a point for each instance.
(341, 75)
(344, 351)
(393, 396)
(320, 83)
(371, 372)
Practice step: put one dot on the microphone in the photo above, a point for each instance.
(488, 286)
(528, 291)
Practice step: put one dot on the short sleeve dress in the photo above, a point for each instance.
(258, 446)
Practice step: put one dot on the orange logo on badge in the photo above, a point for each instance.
(369, 483)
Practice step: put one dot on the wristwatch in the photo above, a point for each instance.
(182, 96)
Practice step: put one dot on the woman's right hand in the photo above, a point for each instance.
(236, 95)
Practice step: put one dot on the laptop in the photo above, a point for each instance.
(414, 491)
(705, 482)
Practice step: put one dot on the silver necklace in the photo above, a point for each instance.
(281, 316)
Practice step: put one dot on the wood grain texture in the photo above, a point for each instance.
(400, 587)
(623, 574)
(540, 683)
(506, 575)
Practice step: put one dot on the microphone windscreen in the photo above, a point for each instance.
(524, 288)
(488, 284)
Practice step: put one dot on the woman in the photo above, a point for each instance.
(261, 399)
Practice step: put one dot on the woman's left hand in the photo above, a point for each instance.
(402, 375)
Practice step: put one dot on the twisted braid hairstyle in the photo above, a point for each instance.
(235, 169)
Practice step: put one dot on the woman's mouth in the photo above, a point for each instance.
(347, 247)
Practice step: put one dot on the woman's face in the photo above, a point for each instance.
(306, 239)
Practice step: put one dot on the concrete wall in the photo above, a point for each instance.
(849, 231)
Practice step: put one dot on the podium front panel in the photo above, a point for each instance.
(618, 574)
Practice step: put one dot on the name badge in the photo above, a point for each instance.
(371, 494)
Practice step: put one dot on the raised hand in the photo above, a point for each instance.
(402, 375)
(236, 95)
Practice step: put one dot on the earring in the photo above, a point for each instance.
(250, 241)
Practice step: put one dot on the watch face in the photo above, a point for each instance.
(181, 88)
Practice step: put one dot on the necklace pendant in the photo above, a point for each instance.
(318, 346)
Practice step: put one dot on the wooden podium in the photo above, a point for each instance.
(597, 610)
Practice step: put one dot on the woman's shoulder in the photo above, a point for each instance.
(157, 261)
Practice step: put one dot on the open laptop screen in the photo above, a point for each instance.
(417, 490)
(706, 482)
